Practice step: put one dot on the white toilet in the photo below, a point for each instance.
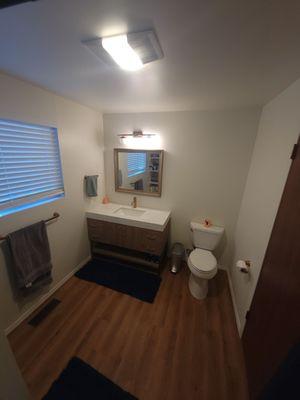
(201, 262)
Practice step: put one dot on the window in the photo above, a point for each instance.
(136, 163)
(30, 166)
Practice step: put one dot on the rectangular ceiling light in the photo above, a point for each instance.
(122, 53)
(130, 51)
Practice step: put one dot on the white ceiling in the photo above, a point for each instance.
(218, 53)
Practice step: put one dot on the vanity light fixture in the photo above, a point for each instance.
(140, 140)
(137, 134)
(130, 51)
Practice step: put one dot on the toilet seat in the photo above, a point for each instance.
(202, 263)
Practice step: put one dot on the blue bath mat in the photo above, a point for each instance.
(79, 381)
(121, 277)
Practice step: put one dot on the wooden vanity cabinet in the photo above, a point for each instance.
(128, 237)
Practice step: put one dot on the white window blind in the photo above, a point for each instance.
(136, 163)
(30, 166)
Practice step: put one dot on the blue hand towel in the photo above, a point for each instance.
(91, 185)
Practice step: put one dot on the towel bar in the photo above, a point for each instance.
(55, 215)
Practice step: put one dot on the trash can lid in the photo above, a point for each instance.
(178, 249)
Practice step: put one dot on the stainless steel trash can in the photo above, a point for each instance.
(177, 255)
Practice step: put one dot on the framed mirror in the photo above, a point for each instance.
(138, 171)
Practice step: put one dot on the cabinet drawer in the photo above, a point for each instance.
(124, 236)
(100, 231)
(130, 237)
(151, 241)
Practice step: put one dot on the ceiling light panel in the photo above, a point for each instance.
(121, 52)
(130, 51)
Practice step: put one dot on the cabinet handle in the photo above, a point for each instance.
(151, 237)
(150, 249)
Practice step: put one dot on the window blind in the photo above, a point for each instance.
(136, 163)
(30, 166)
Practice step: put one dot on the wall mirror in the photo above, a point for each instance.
(138, 171)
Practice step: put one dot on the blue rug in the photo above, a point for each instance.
(121, 277)
(79, 381)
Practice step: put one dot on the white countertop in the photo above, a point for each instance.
(150, 219)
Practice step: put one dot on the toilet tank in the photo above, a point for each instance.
(206, 237)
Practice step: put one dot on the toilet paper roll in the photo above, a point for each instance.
(243, 266)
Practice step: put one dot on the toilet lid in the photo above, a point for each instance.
(203, 260)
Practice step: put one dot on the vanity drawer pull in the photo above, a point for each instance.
(151, 237)
(150, 249)
(94, 223)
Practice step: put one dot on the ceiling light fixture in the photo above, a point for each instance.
(122, 53)
(130, 51)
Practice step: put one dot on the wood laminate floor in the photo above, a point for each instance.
(176, 348)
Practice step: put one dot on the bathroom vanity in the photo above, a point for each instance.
(138, 235)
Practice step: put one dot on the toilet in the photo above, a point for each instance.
(201, 262)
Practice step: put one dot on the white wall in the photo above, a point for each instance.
(207, 156)
(278, 131)
(81, 146)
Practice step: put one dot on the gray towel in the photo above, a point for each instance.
(91, 185)
(31, 257)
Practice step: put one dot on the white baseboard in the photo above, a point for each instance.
(45, 297)
(237, 318)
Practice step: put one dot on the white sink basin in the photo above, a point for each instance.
(140, 217)
(129, 212)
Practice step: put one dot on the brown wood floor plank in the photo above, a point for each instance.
(16, 337)
(176, 348)
(215, 337)
(182, 366)
(37, 338)
(234, 357)
(154, 382)
(62, 346)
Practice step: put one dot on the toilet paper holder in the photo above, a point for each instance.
(244, 266)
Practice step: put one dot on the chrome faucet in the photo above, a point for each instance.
(134, 202)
